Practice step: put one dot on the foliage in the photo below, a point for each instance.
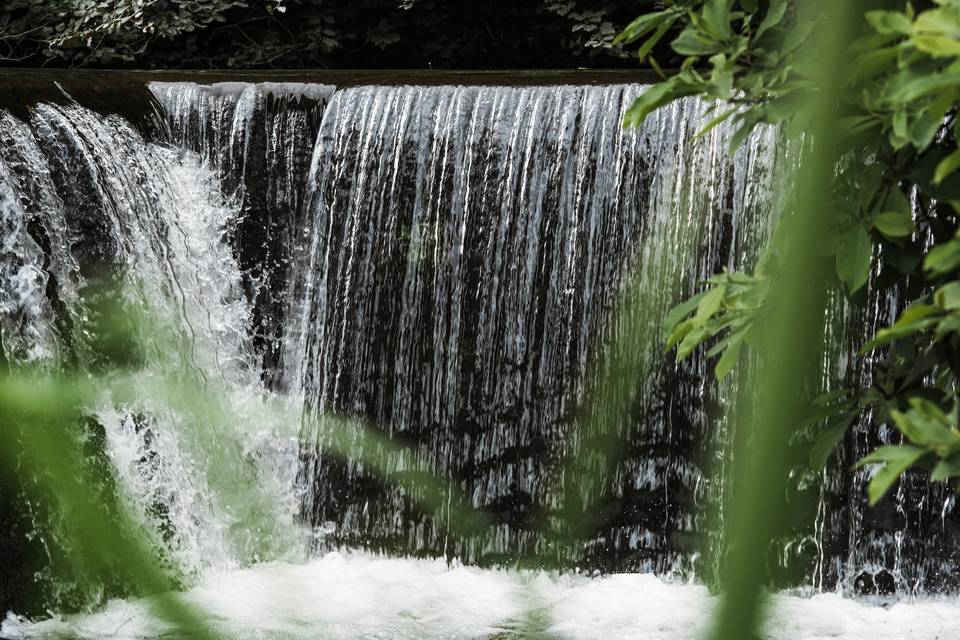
(892, 224)
(304, 33)
(104, 32)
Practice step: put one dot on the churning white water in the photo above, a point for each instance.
(345, 596)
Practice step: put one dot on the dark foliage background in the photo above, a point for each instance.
(489, 34)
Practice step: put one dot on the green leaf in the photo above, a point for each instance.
(897, 459)
(937, 46)
(774, 15)
(900, 127)
(748, 122)
(797, 36)
(871, 63)
(889, 22)
(950, 324)
(644, 25)
(650, 42)
(721, 77)
(907, 85)
(691, 340)
(896, 200)
(710, 303)
(946, 469)
(826, 442)
(714, 122)
(929, 120)
(662, 93)
(716, 17)
(854, 258)
(946, 166)
(916, 318)
(731, 354)
(943, 258)
(894, 224)
(895, 219)
(692, 42)
(947, 297)
(681, 311)
(937, 32)
(870, 179)
(925, 424)
(679, 333)
(786, 106)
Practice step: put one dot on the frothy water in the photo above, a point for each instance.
(351, 595)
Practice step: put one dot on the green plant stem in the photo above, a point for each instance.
(790, 361)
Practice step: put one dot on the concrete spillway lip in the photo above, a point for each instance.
(125, 92)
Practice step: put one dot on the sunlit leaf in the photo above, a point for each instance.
(916, 318)
(660, 94)
(947, 166)
(710, 303)
(895, 460)
(925, 424)
(943, 258)
(681, 311)
(947, 297)
(894, 224)
(716, 17)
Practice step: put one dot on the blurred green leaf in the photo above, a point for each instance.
(854, 258)
(947, 166)
(826, 441)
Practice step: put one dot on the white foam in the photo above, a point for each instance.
(357, 595)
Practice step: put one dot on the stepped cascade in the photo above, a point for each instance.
(459, 269)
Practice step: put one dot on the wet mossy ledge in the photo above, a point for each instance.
(126, 93)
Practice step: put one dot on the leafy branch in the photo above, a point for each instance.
(895, 195)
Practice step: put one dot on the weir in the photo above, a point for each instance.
(461, 269)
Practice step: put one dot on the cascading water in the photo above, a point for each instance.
(131, 224)
(450, 268)
(468, 249)
(258, 139)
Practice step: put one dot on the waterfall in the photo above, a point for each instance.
(258, 139)
(448, 267)
(469, 246)
(134, 226)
